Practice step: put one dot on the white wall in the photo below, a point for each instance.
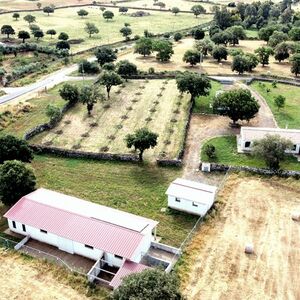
(112, 260)
(187, 206)
(80, 249)
(143, 247)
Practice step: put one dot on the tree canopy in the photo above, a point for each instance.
(110, 79)
(16, 180)
(193, 83)
(141, 140)
(144, 46)
(237, 104)
(272, 150)
(105, 55)
(13, 148)
(70, 93)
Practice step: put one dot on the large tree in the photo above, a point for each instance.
(295, 60)
(198, 9)
(126, 32)
(108, 15)
(237, 104)
(51, 32)
(13, 148)
(236, 33)
(272, 150)
(105, 55)
(16, 180)
(141, 140)
(63, 45)
(143, 46)
(91, 28)
(126, 68)
(63, 36)
(39, 34)
(164, 50)
(219, 53)
(110, 79)
(282, 51)
(48, 10)
(276, 38)
(263, 54)
(16, 16)
(89, 95)
(193, 83)
(82, 13)
(192, 57)
(70, 93)
(23, 35)
(151, 284)
(175, 10)
(30, 19)
(8, 30)
(205, 46)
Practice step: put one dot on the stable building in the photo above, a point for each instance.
(249, 134)
(80, 227)
(190, 196)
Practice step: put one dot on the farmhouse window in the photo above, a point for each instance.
(195, 204)
(89, 247)
(24, 227)
(247, 144)
(14, 224)
(294, 148)
(43, 231)
(118, 256)
(177, 199)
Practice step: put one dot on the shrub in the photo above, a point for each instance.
(210, 150)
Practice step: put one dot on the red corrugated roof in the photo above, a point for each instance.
(126, 269)
(99, 234)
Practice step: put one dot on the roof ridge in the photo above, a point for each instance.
(74, 213)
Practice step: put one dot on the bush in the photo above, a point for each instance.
(151, 70)
(210, 150)
(88, 67)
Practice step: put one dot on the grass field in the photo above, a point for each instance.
(19, 121)
(288, 116)
(138, 189)
(202, 103)
(22, 277)
(63, 20)
(138, 104)
(255, 210)
(226, 153)
(209, 65)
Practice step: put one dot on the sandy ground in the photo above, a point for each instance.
(256, 211)
(21, 279)
(209, 65)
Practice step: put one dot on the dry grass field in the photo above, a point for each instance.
(22, 279)
(209, 65)
(256, 210)
(181, 4)
(67, 20)
(137, 104)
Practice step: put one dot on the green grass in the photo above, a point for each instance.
(202, 104)
(67, 20)
(251, 33)
(226, 153)
(138, 189)
(23, 121)
(288, 116)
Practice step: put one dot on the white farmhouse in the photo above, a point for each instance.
(250, 134)
(84, 228)
(191, 197)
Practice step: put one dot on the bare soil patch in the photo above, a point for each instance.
(258, 211)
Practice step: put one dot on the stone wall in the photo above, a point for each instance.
(259, 171)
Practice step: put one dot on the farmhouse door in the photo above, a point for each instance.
(65, 245)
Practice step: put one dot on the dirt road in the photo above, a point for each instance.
(256, 211)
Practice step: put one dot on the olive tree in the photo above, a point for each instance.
(110, 79)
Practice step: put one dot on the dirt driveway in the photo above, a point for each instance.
(204, 127)
(256, 211)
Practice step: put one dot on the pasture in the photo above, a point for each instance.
(155, 104)
(135, 188)
(255, 210)
(209, 65)
(288, 116)
(67, 20)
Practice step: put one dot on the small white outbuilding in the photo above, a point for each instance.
(190, 196)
